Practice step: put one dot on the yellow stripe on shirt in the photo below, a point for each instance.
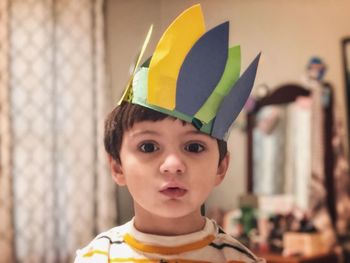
(93, 252)
(167, 250)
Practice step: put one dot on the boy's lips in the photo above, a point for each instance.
(173, 190)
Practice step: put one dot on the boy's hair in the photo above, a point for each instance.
(124, 116)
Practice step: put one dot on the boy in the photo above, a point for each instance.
(169, 158)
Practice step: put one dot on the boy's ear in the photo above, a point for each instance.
(117, 171)
(222, 169)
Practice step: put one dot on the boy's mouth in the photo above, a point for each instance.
(173, 191)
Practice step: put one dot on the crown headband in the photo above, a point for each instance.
(193, 75)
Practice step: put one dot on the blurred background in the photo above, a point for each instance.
(63, 67)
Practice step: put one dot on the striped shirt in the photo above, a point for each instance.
(127, 244)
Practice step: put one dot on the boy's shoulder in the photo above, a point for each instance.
(233, 249)
(113, 235)
(99, 248)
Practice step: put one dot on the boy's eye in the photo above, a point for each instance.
(148, 147)
(194, 147)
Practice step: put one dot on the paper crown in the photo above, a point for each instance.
(193, 75)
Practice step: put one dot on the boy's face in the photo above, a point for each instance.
(169, 167)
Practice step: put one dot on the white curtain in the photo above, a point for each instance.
(55, 190)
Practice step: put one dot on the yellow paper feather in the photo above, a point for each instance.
(169, 55)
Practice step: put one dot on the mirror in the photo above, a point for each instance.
(279, 144)
(291, 129)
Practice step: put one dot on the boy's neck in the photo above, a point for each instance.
(155, 225)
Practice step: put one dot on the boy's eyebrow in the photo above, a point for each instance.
(154, 132)
(196, 132)
(144, 132)
(150, 132)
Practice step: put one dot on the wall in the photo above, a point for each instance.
(287, 32)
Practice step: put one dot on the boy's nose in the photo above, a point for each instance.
(172, 164)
